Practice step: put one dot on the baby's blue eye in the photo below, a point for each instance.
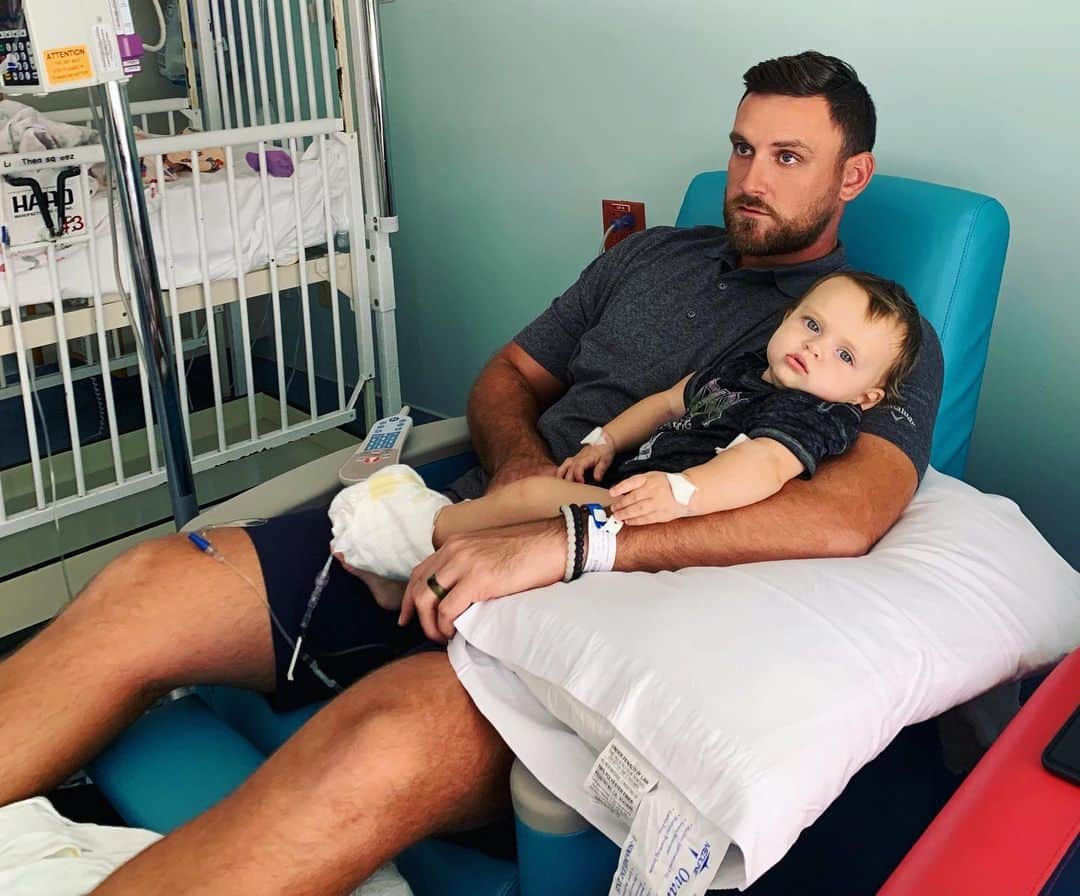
(846, 356)
(812, 325)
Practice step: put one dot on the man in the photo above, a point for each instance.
(403, 753)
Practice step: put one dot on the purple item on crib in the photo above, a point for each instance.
(278, 163)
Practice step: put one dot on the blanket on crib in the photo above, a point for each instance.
(25, 130)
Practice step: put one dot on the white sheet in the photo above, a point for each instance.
(759, 690)
(33, 283)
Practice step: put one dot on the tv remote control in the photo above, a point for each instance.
(381, 447)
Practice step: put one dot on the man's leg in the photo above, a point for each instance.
(401, 754)
(160, 616)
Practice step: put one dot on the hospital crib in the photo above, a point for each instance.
(946, 245)
(270, 223)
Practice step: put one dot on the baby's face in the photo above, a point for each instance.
(828, 346)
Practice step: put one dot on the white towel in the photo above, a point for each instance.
(41, 852)
(44, 854)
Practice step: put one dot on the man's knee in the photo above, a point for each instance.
(413, 724)
(127, 580)
(180, 616)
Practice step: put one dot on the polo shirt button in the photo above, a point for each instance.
(691, 314)
(723, 285)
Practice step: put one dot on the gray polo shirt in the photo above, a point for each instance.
(668, 301)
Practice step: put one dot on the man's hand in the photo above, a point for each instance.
(516, 469)
(646, 498)
(483, 565)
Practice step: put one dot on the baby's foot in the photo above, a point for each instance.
(388, 593)
(383, 524)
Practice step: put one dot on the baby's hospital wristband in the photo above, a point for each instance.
(682, 489)
(600, 541)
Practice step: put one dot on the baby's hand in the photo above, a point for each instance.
(646, 498)
(592, 457)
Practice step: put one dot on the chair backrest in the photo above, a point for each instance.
(947, 247)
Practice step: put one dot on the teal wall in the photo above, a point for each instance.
(509, 122)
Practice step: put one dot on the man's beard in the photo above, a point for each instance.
(785, 237)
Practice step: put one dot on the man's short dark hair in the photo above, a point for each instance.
(814, 74)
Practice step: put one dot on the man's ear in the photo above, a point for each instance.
(858, 170)
(870, 397)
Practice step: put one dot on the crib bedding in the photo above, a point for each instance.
(178, 209)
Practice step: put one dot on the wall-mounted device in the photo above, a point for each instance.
(52, 45)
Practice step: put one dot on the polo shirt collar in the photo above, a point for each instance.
(793, 280)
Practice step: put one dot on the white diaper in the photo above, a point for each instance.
(384, 523)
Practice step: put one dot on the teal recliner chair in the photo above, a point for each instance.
(947, 246)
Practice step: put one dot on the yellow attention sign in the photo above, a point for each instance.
(65, 64)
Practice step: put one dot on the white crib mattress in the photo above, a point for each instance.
(33, 280)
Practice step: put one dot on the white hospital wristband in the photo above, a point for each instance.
(682, 489)
(596, 437)
(601, 530)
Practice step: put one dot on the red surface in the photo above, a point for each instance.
(1011, 822)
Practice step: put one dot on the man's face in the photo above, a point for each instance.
(829, 347)
(784, 175)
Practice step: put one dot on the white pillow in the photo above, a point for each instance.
(759, 690)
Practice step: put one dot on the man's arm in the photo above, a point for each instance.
(842, 512)
(504, 405)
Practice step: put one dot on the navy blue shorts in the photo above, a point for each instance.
(349, 634)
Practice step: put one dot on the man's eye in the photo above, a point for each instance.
(741, 149)
(812, 325)
(845, 356)
(788, 158)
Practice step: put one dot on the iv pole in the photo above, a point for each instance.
(119, 141)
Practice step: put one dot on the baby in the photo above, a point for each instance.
(726, 436)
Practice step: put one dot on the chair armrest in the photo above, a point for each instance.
(316, 482)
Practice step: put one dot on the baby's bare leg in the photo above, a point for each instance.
(532, 498)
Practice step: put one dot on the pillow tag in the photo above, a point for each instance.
(619, 779)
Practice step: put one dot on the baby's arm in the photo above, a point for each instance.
(628, 430)
(744, 474)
